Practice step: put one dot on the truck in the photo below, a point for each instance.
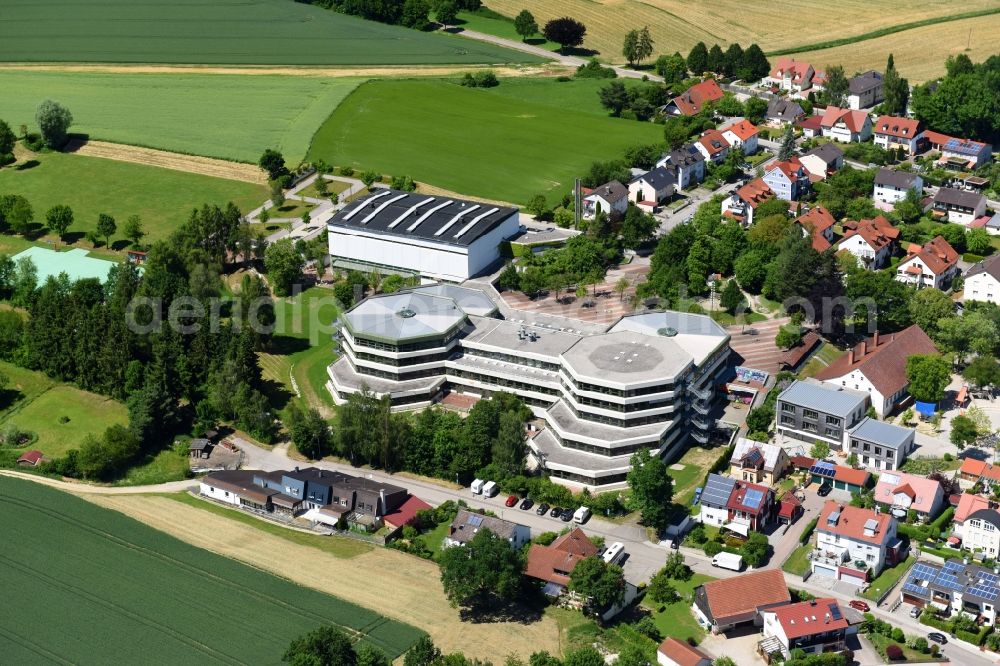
(477, 486)
(730, 561)
(490, 489)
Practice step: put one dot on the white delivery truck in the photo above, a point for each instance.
(490, 489)
(730, 561)
(581, 515)
(477, 486)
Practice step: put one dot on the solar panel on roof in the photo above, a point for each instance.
(753, 498)
(475, 520)
(823, 470)
(835, 612)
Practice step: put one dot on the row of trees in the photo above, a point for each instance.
(18, 216)
(749, 65)
(965, 102)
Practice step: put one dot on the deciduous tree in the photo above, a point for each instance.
(325, 646)
(601, 584)
(484, 570)
(836, 86)
(283, 264)
(133, 230)
(106, 227)
(273, 163)
(652, 489)
(697, 60)
(525, 24)
(54, 121)
(59, 218)
(928, 376)
(566, 32)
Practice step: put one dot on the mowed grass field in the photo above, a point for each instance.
(680, 24)
(475, 142)
(163, 198)
(84, 584)
(34, 402)
(257, 32)
(919, 53)
(229, 116)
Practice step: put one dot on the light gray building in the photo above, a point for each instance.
(879, 445)
(467, 524)
(811, 411)
(646, 383)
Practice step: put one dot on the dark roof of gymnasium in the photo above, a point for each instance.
(407, 214)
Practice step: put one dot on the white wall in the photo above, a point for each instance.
(218, 494)
(982, 287)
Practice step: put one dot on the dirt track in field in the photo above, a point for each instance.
(206, 166)
(394, 584)
(415, 70)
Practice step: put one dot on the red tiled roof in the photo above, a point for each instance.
(808, 618)
(713, 141)
(853, 120)
(755, 192)
(681, 653)
(790, 167)
(811, 123)
(803, 462)
(406, 512)
(968, 504)
(882, 359)
(690, 102)
(877, 232)
(979, 469)
(739, 494)
(849, 475)
(816, 221)
(802, 72)
(902, 128)
(728, 597)
(937, 255)
(743, 129)
(851, 523)
(32, 457)
(555, 562)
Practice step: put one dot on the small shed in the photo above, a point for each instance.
(200, 448)
(791, 508)
(30, 458)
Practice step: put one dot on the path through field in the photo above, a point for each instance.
(391, 583)
(206, 166)
(333, 72)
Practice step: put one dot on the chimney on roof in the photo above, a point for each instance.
(875, 341)
(864, 348)
(850, 356)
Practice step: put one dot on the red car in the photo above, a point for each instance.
(857, 604)
(511, 500)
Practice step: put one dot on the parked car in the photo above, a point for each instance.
(915, 612)
(511, 500)
(857, 604)
(824, 490)
(581, 515)
(556, 512)
(527, 503)
(937, 637)
(567, 515)
(542, 509)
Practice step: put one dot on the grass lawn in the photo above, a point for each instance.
(332, 187)
(696, 461)
(887, 579)
(171, 464)
(151, 605)
(726, 319)
(341, 547)
(445, 143)
(880, 643)
(676, 619)
(290, 209)
(500, 25)
(797, 563)
(262, 32)
(435, 538)
(576, 94)
(162, 198)
(37, 403)
(198, 114)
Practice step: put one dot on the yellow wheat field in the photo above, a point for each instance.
(920, 53)
(676, 25)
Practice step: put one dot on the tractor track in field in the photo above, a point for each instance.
(205, 166)
(334, 72)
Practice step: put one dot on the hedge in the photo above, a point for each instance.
(807, 532)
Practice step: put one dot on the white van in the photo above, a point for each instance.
(730, 561)
(614, 552)
(490, 489)
(581, 515)
(477, 486)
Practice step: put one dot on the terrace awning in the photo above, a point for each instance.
(739, 528)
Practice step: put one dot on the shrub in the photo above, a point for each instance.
(920, 644)
(647, 627)
(807, 532)
(7, 158)
(713, 548)
(592, 69)
(893, 652)
(897, 635)
(346, 171)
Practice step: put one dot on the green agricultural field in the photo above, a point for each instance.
(228, 116)
(247, 32)
(34, 402)
(84, 584)
(475, 142)
(163, 198)
(575, 94)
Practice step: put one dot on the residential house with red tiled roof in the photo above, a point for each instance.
(872, 242)
(742, 135)
(741, 204)
(934, 264)
(976, 524)
(818, 225)
(553, 564)
(788, 179)
(735, 505)
(728, 603)
(693, 100)
(817, 626)
(795, 76)
(845, 125)
(893, 133)
(877, 365)
(811, 126)
(673, 652)
(974, 471)
(713, 145)
(851, 541)
(959, 154)
(405, 513)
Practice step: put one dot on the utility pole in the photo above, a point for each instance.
(577, 203)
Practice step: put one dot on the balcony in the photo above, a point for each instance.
(830, 558)
(704, 393)
(700, 407)
(700, 437)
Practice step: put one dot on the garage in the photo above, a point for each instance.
(825, 572)
(913, 601)
(853, 576)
